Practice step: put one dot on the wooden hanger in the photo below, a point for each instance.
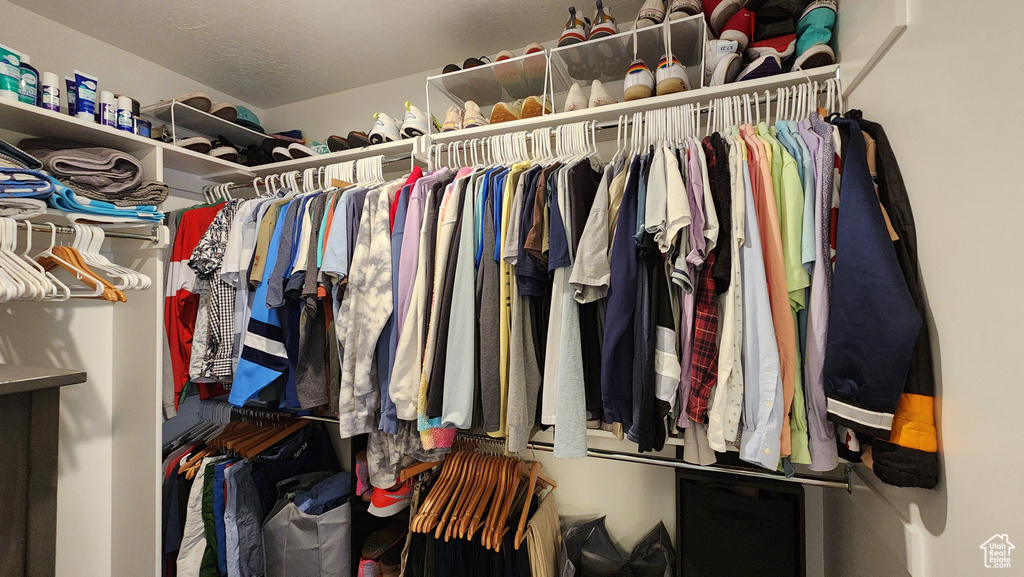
(452, 497)
(499, 509)
(466, 490)
(484, 488)
(413, 470)
(417, 523)
(513, 489)
(535, 469)
(496, 480)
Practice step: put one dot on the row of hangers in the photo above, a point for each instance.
(570, 141)
(218, 434)
(33, 278)
(475, 492)
(364, 171)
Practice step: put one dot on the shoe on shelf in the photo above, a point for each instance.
(715, 51)
(651, 13)
(224, 110)
(783, 46)
(369, 568)
(337, 143)
(682, 8)
(575, 99)
(196, 144)
(535, 69)
(814, 29)
(739, 28)
(281, 153)
(385, 129)
(604, 24)
(534, 106)
(722, 62)
(599, 95)
(228, 153)
(480, 87)
(415, 123)
(506, 111)
(223, 148)
(452, 120)
(299, 150)
(767, 65)
(473, 117)
(391, 560)
(814, 57)
(363, 487)
(387, 502)
(671, 76)
(509, 74)
(358, 139)
(576, 30)
(717, 12)
(639, 82)
(379, 542)
(197, 100)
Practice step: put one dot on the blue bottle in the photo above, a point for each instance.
(28, 89)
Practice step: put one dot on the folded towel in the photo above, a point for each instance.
(20, 208)
(105, 170)
(147, 193)
(14, 157)
(22, 183)
(81, 207)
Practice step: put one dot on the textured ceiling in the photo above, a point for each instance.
(271, 53)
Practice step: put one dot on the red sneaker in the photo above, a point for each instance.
(739, 28)
(717, 12)
(782, 46)
(387, 502)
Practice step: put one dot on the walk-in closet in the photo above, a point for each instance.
(535, 288)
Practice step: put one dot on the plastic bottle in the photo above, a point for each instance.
(49, 93)
(10, 73)
(28, 90)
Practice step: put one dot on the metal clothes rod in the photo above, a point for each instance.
(846, 483)
(386, 160)
(153, 237)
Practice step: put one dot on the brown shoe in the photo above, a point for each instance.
(535, 106)
(507, 111)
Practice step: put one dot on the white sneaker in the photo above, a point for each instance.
(720, 58)
(599, 95)
(682, 8)
(453, 119)
(651, 13)
(415, 122)
(575, 100)
(639, 82)
(385, 129)
(671, 76)
(473, 116)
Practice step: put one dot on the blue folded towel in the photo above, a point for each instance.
(64, 198)
(24, 183)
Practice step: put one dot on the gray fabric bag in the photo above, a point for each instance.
(299, 545)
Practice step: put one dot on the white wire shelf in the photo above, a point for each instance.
(180, 115)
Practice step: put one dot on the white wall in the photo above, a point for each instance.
(352, 110)
(945, 95)
(59, 49)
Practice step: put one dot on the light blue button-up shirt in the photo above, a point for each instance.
(762, 380)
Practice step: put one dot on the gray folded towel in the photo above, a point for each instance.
(21, 207)
(147, 193)
(104, 170)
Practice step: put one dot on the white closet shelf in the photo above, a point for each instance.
(39, 122)
(611, 112)
(388, 149)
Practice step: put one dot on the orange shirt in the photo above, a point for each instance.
(775, 271)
